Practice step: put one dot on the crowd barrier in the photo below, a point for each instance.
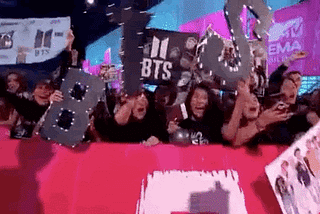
(42, 177)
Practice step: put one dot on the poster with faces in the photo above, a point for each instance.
(32, 40)
(175, 191)
(295, 175)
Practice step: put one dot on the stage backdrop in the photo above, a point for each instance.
(296, 28)
(216, 20)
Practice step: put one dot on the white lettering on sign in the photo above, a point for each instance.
(146, 67)
(156, 70)
(292, 28)
(278, 48)
(149, 65)
(152, 67)
(167, 74)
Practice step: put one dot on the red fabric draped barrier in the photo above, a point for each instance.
(43, 177)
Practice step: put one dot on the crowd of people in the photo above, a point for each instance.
(203, 116)
(206, 117)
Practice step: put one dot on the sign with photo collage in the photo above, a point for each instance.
(295, 175)
(166, 54)
(32, 40)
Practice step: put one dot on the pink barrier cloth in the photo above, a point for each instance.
(43, 177)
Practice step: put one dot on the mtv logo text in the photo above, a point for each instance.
(286, 37)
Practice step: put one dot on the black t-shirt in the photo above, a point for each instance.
(29, 109)
(199, 133)
(133, 132)
(208, 130)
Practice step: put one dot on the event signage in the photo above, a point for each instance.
(285, 38)
(67, 121)
(294, 29)
(32, 40)
(165, 52)
(295, 174)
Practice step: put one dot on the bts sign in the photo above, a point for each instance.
(165, 52)
(32, 40)
(155, 64)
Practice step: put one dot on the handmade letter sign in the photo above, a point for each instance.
(210, 49)
(66, 122)
(232, 10)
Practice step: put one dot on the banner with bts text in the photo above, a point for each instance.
(166, 54)
(32, 40)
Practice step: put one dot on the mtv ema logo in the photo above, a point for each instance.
(286, 37)
(6, 41)
(292, 28)
(156, 62)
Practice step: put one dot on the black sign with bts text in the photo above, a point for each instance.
(166, 54)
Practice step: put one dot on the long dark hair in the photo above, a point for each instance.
(212, 100)
(229, 108)
(21, 79)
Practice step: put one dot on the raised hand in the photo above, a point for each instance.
(70, 39)
(276, 113)
(243, 90)
(299, 55)
(295, 56)
(57, 96)
(173, 127)
(152, 141)
(123, 114)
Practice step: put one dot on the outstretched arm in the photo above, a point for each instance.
(267, 117)
(276, 76)
(229, 130)
(123, 114)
